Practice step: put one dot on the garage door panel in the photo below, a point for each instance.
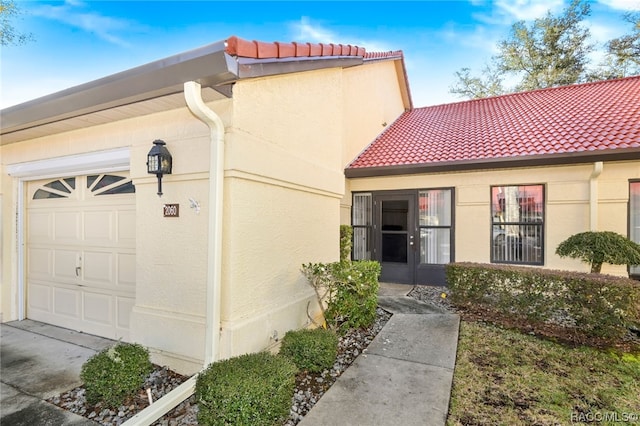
(127, 228)
(39, 297)
(98, 228)
(67, 227)
(81, 253)
(98, 308)
(40, 262)
(40, 229)
(64, 265)
(66, 302)
(98, 268)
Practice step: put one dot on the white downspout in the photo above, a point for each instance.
(192, 94)
(593, 195)
(197, 106)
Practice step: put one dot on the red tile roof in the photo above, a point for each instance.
(594, 118)
(266, 50)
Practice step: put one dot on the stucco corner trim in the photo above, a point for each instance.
(92, 162)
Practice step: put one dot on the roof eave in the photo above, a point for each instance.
(209, 65)
(571, 158)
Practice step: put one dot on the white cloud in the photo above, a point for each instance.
(602, 32)
(307, 31)
(314, 33)
(506, 12)
(479, 38)
(104, 27)
(626, 5)
(526, 10)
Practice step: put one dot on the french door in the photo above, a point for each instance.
(409, 232)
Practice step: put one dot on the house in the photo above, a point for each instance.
(259, 134)
(273, 146)
(499, 180)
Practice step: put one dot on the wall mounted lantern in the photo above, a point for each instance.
(159, 162)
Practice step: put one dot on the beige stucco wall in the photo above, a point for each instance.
(285, 154)
(567, 207)
(284, 176)
(371, 108)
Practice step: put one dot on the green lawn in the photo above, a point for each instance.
(504, 377)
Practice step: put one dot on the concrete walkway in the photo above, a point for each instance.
(38, 361)
(405, 375)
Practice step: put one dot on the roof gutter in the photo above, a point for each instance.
(569, 158)
(193, 97)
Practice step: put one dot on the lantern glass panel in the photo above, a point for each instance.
(153, 164)
(166, 164)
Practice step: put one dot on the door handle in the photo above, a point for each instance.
(78, 264)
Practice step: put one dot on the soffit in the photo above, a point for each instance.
(108, 115)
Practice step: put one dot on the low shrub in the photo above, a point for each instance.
(252, 389)
(600, 305)
(313, 350)
(115, 374)
(349, 290)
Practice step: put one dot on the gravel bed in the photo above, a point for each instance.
(160, 382)
(436, 295)
(309, 387)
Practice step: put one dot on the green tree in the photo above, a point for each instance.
(551, 51)
(9, 35)
(596, 248)
(479, 87)
(622, 54)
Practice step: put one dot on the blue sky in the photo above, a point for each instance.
(78, 41)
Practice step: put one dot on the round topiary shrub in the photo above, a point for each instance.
(596, 248)
(115, 373)
(253, 389)
(313, 350)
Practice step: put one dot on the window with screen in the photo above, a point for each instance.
(517, 224)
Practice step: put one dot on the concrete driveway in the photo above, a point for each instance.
(38, 361)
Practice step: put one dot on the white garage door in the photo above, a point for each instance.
(81, 253)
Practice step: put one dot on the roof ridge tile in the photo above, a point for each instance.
(255, 49)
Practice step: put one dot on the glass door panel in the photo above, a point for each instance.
(395, 231)
(435, 232)
(435, 245)
(362, 222)
(435, 226)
